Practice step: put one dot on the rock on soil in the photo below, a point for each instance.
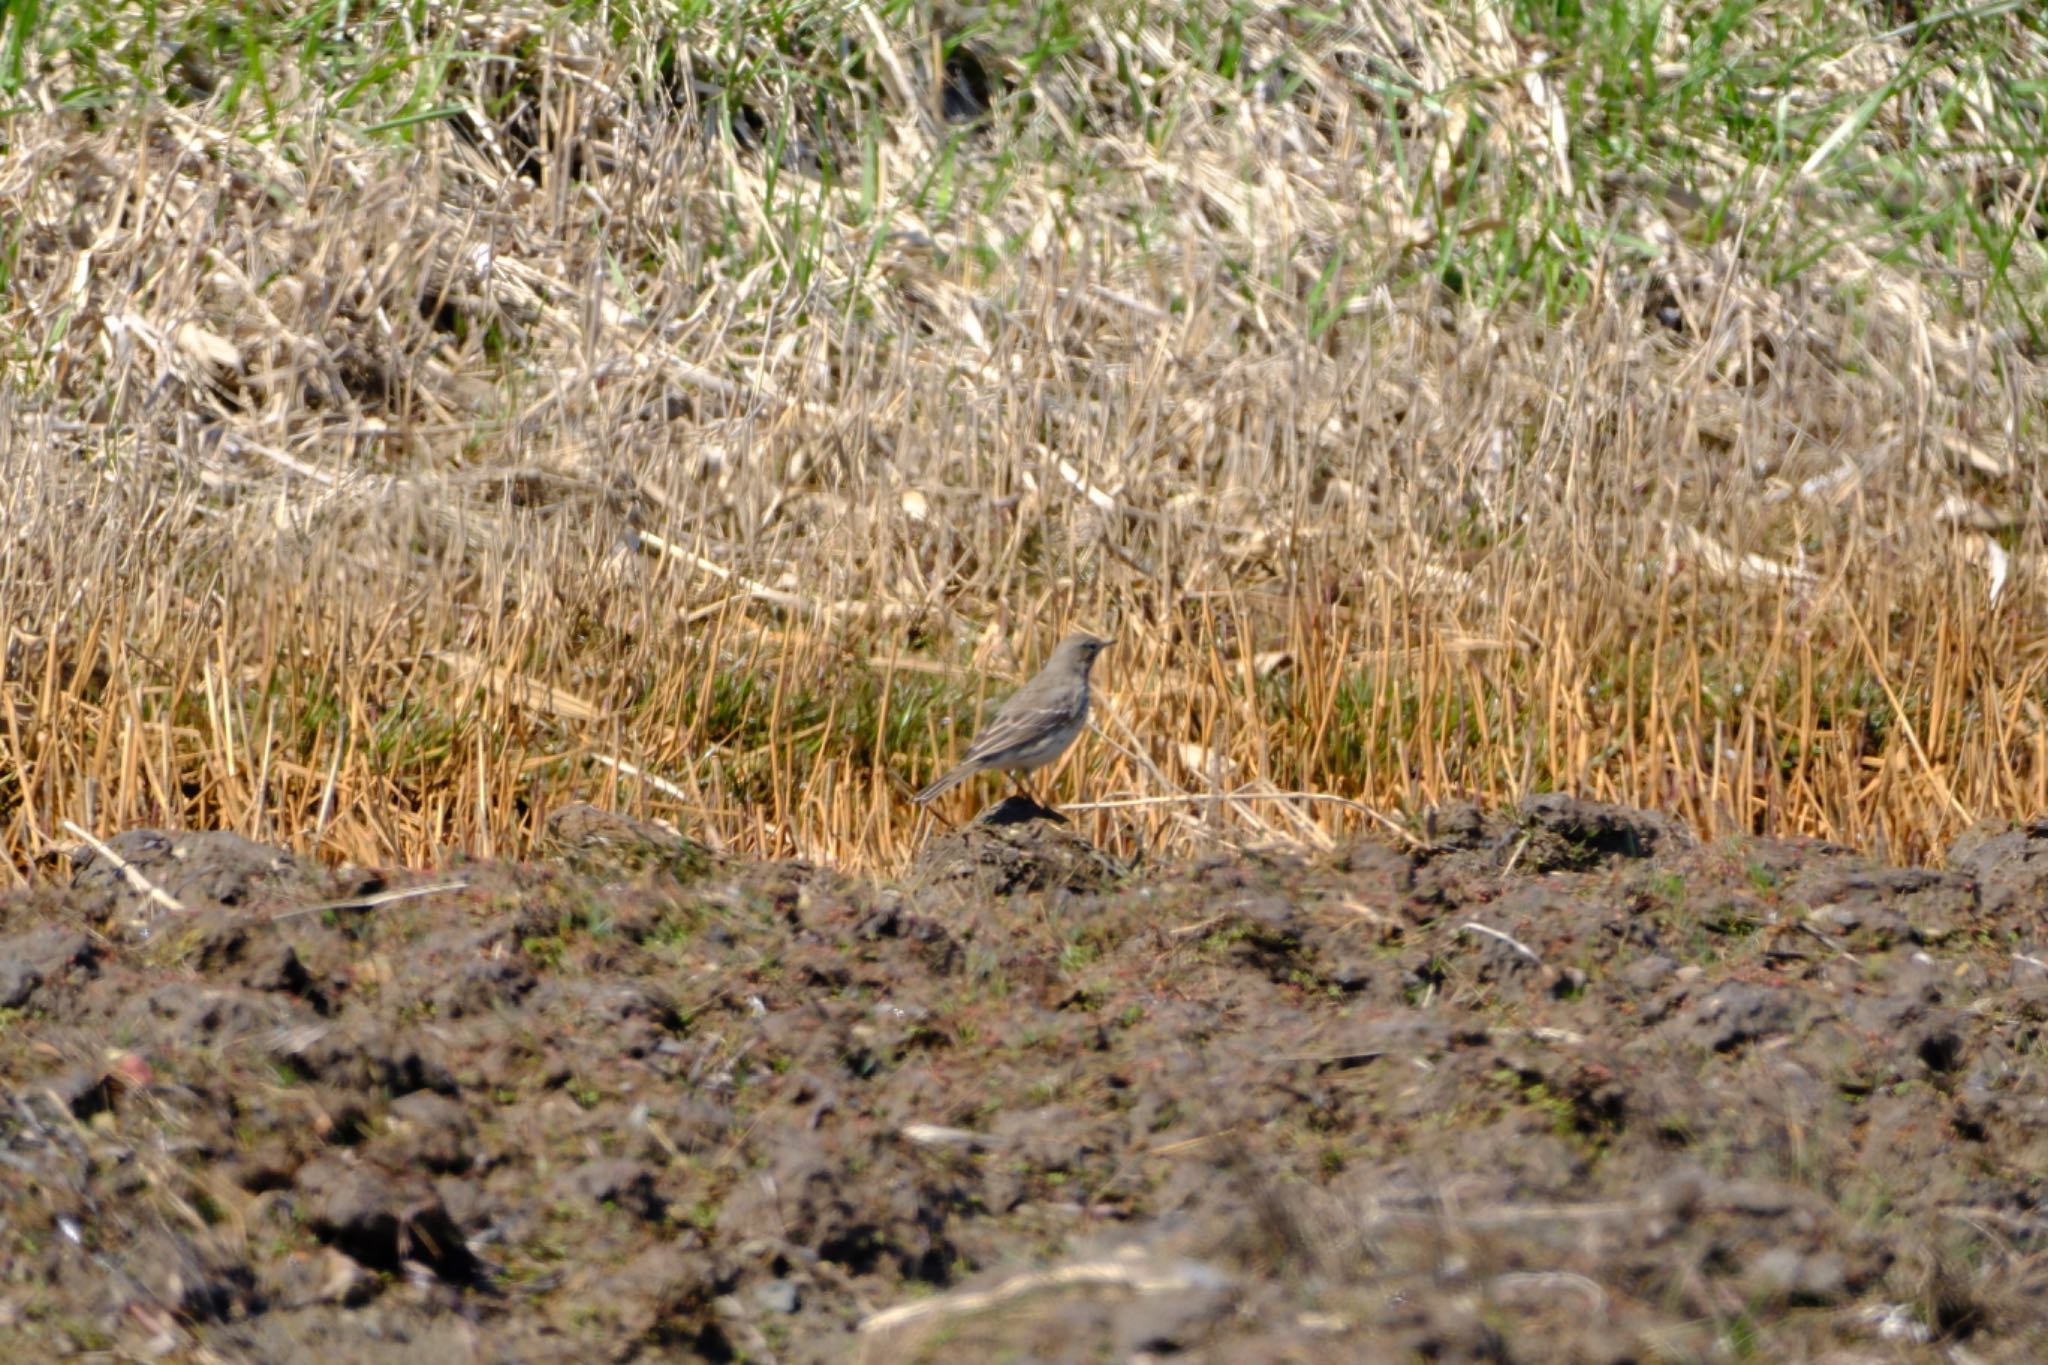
(1559, 1083)
(2008, 864)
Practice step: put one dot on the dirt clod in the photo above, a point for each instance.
(601, 840)
(1014, 847)
(382, 1217)
(28, 961)
(198, 870)
(2009, 865)
(1561, 832)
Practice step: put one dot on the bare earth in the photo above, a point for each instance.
(1563, 1084)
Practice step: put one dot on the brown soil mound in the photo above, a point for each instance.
(1565, 1084)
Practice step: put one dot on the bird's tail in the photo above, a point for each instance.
(944, 784)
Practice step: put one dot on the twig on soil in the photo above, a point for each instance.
(1187, 1144)
(370, 902)
(1200, 926)
(1515, 857)
(1562, 1036)
(2030, 961)
(938, 1135)
(136, 881)
(1524, 949)
(1125, 1271)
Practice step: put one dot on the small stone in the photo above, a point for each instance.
(1813, 1279)
(777, 1296)
(1645, 976)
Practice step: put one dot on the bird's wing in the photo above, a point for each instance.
(1021, 721)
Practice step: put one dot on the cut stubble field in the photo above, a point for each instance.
(414, 423)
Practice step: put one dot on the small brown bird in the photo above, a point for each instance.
(1036, 724)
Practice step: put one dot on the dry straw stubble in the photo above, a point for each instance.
(733, 406)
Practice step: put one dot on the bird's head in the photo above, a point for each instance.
(1080, 650)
